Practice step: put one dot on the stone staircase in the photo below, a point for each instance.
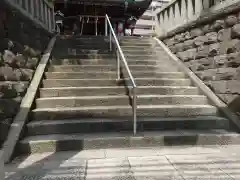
(81, 105)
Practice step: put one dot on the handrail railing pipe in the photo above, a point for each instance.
(120, 56)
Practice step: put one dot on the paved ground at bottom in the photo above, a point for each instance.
(176, 163)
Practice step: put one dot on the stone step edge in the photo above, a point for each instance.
(106, 60)
(113, 72)
(107, 66)
(119, 96)
(102, 79)
(122, 120)
(122, 87)
(128, 136)
(127, 107)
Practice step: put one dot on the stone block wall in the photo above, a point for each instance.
(212, 52)
(21, 45)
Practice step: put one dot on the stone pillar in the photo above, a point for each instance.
(46, 14)
(165, 18)
(53, 18)
(171, 18)
(184, 12)
(26, 5)
(38, 9)
(190, 10)
(178, 16)
(198, 7)
(49, 19)
(2, 173)
(20, 2)
(206, 4)
(32, 7)
(41, 10)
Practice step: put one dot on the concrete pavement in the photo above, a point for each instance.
(176, 163)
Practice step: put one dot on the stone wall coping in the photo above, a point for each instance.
(2, 173)
(203, 17)
(25, 107)
(215, 101)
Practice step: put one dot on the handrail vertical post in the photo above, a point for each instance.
(134, 106)
(96, 26)
(106, 27)
(110, 41)
(118, 65)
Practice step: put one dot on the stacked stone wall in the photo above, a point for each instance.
(212, 52)
(21, 45)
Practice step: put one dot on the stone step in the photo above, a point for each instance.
(81, 68)
(66, 142)
(101, 125)
(111, 75)
(87, 37)
(94, 51)
(140, 56)
(124, 111)
(48, 83)
(139, 52)
(127, 40)
(93, 46)
(126, 46)
(100, 62)
(151, 74)
(138, 47)
(162, 59)
(82, 101)
(137, 43)
(162, 82)
(135, 38)
(87, 56)
(116, 90)
(119, 100)
(99, 68)
(164, 67)
(73, 61)
(81, 75)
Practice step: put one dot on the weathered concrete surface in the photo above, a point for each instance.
(189, 162)
(212, 51)
(21, 44)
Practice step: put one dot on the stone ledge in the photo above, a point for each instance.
(26, 104)
(204, 19)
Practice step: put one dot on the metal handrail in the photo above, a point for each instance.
(121, 56)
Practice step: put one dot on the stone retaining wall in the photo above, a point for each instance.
(21, 44)
(212, 51)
